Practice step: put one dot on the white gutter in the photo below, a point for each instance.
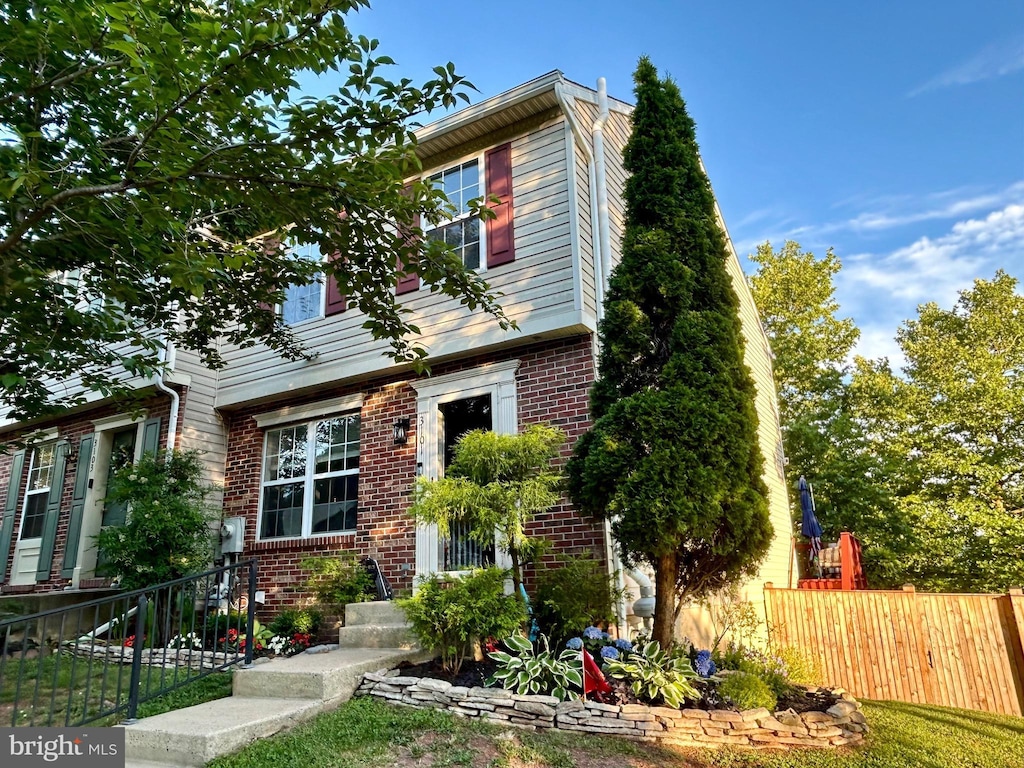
(644, 606)
(604, 232)
(168, 355)
(592, 178)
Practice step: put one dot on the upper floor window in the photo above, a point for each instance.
(461, 184)
(303, 302)
(40, 476)
(311, 478)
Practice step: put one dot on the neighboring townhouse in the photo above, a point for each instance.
(320, 455)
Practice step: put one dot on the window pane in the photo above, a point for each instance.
(471, 256)
(301, 302)
(35, 514)
(282, 510)
(470, 181)
(453, 235)
(270, 461)
(333, 507)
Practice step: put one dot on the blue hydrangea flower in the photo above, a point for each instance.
(593, 633)
(624, 645)
(609, 653)
(574, 644)
(704, 666)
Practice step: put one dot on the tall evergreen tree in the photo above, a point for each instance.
(672, 459)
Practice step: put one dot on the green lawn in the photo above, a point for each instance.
(62, 684)
(366, 733)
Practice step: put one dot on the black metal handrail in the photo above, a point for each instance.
(67, 666)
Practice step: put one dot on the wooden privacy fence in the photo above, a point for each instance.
(951, 650)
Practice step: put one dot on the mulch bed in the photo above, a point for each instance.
(475, 673)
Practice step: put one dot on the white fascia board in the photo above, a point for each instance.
(488, 107)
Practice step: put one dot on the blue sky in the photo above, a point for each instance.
(890, 131)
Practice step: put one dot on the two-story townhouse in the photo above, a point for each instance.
(320, 455)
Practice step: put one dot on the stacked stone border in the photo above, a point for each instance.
(841, 725)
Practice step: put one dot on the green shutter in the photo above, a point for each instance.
(77, 506)
(151, 435)
(60, 462)
(7, 523)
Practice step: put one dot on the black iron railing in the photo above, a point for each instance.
(101, 659)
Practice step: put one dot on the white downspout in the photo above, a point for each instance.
(603, 271)
(168, 355)
(603, 226)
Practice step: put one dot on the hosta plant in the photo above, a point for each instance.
(527, 671)
(655, 676)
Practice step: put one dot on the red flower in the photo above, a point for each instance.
(232, 635)
(129, 641)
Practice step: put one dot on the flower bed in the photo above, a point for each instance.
(842, 724)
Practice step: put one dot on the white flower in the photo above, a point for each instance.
(133, 476)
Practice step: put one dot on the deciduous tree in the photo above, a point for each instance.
(154, 157)
(672, 459)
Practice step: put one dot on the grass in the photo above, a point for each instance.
(366, 733)
(82, 685)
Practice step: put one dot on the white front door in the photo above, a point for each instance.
(466, 400)
(33, 516)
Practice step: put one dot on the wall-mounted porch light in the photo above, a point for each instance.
(401, 430)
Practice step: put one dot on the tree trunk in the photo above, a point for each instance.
(664, 600)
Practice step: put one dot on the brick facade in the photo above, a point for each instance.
(552, 383)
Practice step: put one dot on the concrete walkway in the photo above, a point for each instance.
(269, 698)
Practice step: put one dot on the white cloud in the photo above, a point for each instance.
(934, 269)
(996, 60)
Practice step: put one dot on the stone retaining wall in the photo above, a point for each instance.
(841, 725)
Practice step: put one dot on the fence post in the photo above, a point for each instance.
(251, 616)
(136, 676)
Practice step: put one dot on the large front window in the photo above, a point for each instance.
(461, 184)
(311, 478)
(40, 475)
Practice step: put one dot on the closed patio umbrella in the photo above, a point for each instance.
(809, 525)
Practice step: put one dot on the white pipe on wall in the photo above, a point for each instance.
(603, 225)
(167, 355)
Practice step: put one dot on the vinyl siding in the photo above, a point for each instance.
(200, 426)
(538, 292)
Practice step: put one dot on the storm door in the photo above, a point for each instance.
(456, 418)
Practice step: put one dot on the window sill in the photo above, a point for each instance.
(313, 543)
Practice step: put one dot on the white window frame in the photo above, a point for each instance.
(428, 226)
(308, 479)
(299, 249)
(33, 472)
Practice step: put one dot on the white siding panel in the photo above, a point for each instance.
(538, 288)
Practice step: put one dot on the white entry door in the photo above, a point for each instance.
(33, 517)
(446, 407)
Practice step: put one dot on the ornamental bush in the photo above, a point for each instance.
(655, 676)
(337, 580)
(747, 691)
(447, 616)
(573, 597)
(167, 532)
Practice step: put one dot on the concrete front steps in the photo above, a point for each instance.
(375, 625)
(270, 697)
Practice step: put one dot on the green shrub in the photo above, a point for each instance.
(447, 616)
(803, 668)
(573, 597)
(167, 532)
(527, 672)
(655, 676)
(747, 691)
(296, 620)
(337, 580)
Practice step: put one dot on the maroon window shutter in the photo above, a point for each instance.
(411, 282)
(336, 303)
(498, 174)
